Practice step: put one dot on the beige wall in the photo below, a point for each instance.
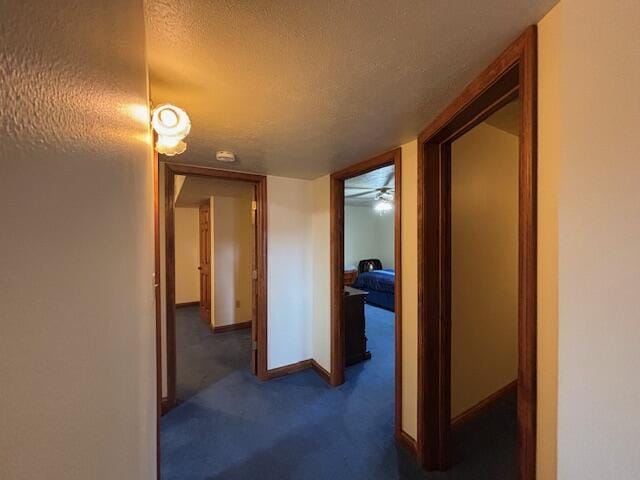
(410, 288)
(321, 272)
(187, 228)
(231, 260)
(549, 135)
(484, 265)
(77, 342)
(599, 240)
(368, 234)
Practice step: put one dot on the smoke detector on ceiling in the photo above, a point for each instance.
(225, 156)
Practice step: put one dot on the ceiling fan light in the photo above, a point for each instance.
(383, 206)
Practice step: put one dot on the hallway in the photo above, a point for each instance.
(203, 358)
(295, 427)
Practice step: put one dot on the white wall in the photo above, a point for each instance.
(232, 244)
(484, 265)
(77, 342)
(289, 260)
(187, 240)
(368, 234)
(599, 240)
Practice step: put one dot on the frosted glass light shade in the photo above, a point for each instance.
(170, 121)
(172, 125)
(171, 150)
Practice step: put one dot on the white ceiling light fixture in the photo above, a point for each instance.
(172, 125)
(225, 156)
(384, 201)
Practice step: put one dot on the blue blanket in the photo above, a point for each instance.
(380, 280)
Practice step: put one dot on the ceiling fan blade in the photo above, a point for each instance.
(347, 187)
(361, 194)
(391, 176)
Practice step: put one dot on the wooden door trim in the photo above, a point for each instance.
(260, 181)
(337, 179)
(487, 93)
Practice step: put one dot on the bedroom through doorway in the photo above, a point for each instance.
(365, 284)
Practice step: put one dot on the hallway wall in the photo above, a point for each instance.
(77, 343)
(289, 259)
(484, 265)
(231, 245)
(549, 157)
(187, 228)
(321, 262)
(598, 239)
(410, 288)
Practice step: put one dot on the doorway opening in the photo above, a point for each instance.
(212, 226)
(366, 266)
(442, 233)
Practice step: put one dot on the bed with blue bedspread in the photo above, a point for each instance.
(378, 282)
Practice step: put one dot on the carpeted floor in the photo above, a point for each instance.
(296, 428)
(203, 358)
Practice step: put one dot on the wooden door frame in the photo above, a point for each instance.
(260, 182)
(511, 75)
(336, 377)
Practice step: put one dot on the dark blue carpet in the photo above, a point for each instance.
(297, 428)
(204, 358)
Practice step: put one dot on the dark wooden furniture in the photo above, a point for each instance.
(355, 339)
(350, 276)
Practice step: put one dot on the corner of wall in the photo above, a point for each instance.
(321, 331)
(409, 422)
(549, 155)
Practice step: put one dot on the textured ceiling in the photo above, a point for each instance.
(195, 190)
(301, 88)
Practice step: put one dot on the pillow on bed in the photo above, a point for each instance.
(369, 264)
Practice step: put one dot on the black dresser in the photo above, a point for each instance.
(354, 326)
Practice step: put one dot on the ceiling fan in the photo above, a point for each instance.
(382, 193)
(382, 201)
